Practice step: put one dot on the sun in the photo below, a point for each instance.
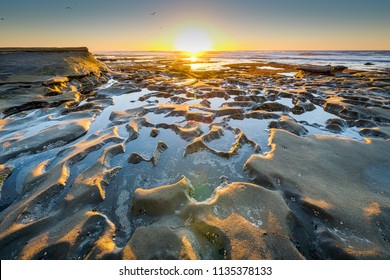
(193, 40)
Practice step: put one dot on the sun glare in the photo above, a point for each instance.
(193, 40)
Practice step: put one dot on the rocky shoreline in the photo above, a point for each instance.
(153, 159)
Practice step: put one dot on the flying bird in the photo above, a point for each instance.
(152, 14)
(2, 18)
(68, 8)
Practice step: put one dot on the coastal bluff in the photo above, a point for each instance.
(40, 77)
(27, 65)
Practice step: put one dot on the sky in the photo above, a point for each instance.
(145, 25)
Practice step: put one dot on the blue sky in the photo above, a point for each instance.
(245, 24)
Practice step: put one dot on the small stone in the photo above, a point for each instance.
(205, 103)
(154, 132)
(224, 179)
(135, 158)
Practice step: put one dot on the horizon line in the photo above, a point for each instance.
(206, 51)
(254, 50)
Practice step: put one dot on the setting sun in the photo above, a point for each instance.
(193, 40)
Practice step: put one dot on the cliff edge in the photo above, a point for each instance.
(46, 77)
(26, 65)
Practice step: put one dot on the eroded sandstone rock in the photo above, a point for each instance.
(337, 183)
(240, 221)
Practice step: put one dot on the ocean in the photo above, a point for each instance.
(359, 60)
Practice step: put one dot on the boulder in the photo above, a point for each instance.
(317, 69)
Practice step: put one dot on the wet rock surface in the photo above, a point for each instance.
(240, 221)
(156, 159)
(331, 180)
